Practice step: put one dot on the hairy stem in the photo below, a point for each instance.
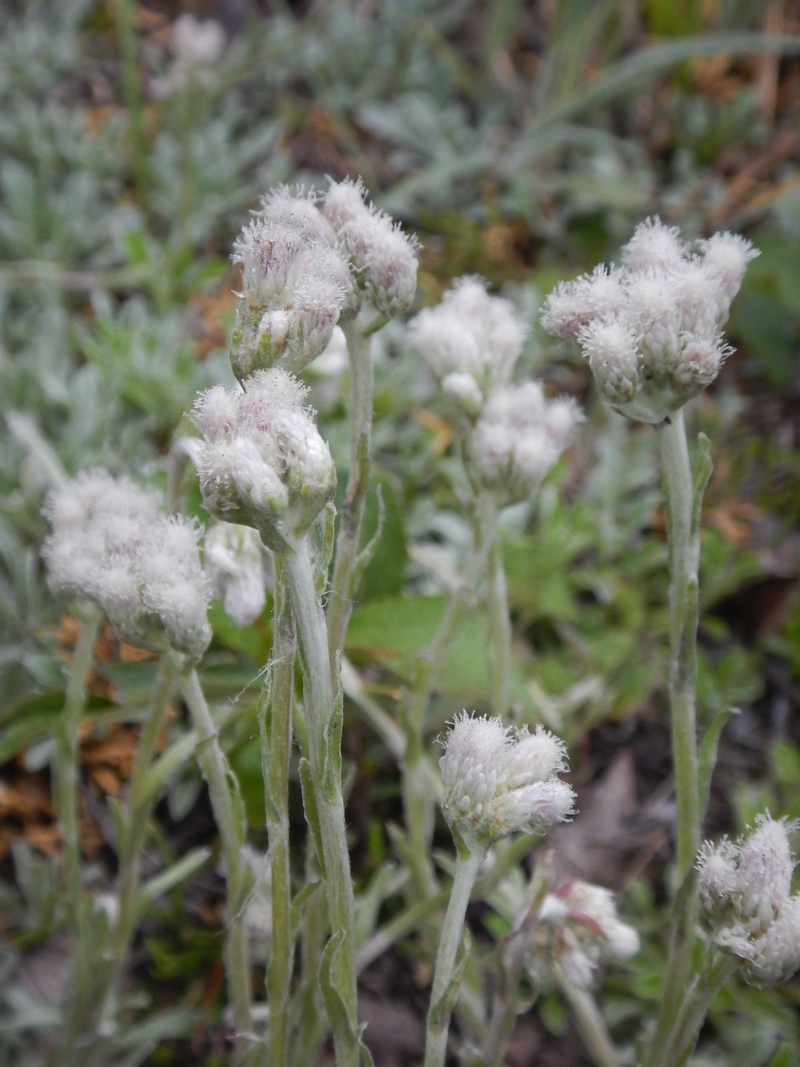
(323, 719)
(591, 1024)
(351, 517)
(445, 977)
(512, 953)
(683, 507)
(499, 631)
(137, 820)
(684, 561)
(229, 817)
(275, 725)
(65, 769)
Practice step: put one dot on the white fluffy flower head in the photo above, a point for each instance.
(295, 285)
(234, 563)
(470, 335)
(579, 929)
(383, 259)
(498, 781)
(306, 262)
(518, 438)
(111, 545)
(745, 894)
(651, 330)
(262, 461)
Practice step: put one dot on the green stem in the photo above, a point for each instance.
(499, 631)
(445, 977)
(310, 1035)
(684, 561)
(275, 724)
(229, 817)
(65, 768)
(418, 801)
(512, 953)
(693, 1011)
(137, 821)
(132, 91)
(323, 718)
(677, 1045)
(591, 1024)
(359, 346)
(683, 505)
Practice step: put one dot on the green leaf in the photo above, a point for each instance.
(309, 890)
(384, 575)
(394, 632)
(310, 808)
(346, 1029)
(707, 754)
(441, 1010)
(172, 876)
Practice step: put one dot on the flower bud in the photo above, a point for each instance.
(518, 439)
(295, 288)
(464, 390)
(382, 257)
(575, 304)
(234, 564)
(268, 468)
(469, 334)
(745, 896)
(579, 929)
(654, 245)
(498, 782)
(110, 545)
(727, 255)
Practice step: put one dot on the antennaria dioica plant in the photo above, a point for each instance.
(651, 332)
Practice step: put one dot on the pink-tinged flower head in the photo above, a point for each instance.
(580, 929)
(745, 894)
(383, 258)
(268, 468)
(499, 782)
(295, 286)
(651, 330)
(470, 334)
(112, 545)
(519, 437)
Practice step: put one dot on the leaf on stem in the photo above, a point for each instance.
(707, 754)
(346, 1028)
(310, 808)
(443, 1008)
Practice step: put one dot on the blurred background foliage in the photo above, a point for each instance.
(520, 140)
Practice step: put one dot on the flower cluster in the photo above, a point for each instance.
(578, 929)
(471, 341)
(383, 259)
(745, 894)
(518, 439)
(234, 560)
(262, 461)
(498, 781)
(651, 329)
(112, 545)
(307, 262)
